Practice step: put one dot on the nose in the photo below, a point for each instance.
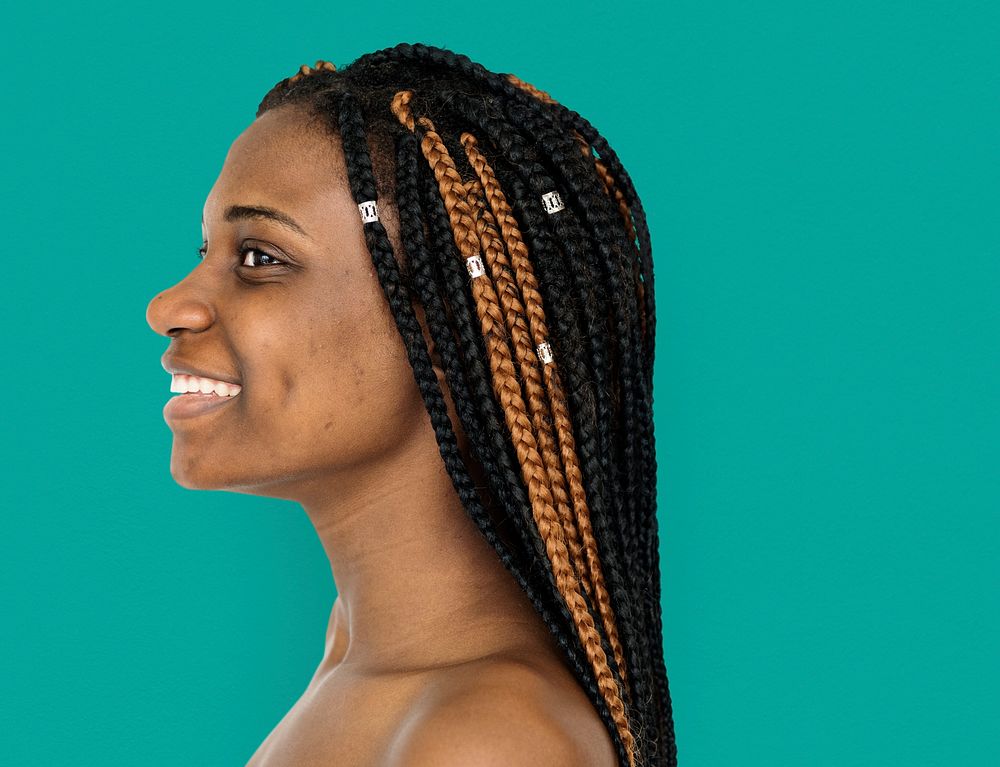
(180, 307)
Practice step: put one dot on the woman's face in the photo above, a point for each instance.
(304, 328)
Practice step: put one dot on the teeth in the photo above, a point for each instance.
(181, 383)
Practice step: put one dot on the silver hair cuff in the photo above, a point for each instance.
(544, 352)
(475, 266)
(369, 211)
(552, 202)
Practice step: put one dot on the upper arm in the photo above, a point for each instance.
(480, 730)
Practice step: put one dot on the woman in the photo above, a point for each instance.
(424, 310)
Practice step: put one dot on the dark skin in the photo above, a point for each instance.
(433, 653)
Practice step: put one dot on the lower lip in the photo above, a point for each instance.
(189, 405)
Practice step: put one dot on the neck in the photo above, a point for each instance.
(418, 586)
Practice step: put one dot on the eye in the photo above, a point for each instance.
(271, 260)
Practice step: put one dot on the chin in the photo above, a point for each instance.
(195, 474)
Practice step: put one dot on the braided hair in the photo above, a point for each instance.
(526, 247)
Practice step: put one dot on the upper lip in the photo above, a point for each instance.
(175, 365)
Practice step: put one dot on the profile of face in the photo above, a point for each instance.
(295, 314)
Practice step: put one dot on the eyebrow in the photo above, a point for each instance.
(243, 212)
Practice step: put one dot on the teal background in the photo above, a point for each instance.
(821, 182)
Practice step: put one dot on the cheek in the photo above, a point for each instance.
(343, 398)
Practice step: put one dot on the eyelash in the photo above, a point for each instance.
(243, 251)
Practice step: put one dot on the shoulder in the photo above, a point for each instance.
(502, 714)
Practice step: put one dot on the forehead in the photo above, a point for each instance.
(283, 161)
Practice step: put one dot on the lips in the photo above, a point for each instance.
(191, 404)
(184, 406)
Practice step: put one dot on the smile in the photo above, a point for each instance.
(184, 383)
(197, 395)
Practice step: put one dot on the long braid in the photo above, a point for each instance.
(454, 279)
(631, 209)
(526, 350)
(528, 286)
(626, 464)
(648, 539)
(566, 230)
(508, 390)
(578, 263)
(363, 188)
(566, 521)
(648, 534)
(637, 440)
(427, 289)
(568, 237)
(503, 476)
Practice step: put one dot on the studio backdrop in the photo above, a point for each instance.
(821, 186)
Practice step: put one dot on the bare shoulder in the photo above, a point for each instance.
(503, 713)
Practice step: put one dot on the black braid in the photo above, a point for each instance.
(446, 60)
(456, 279)
(566, 229)
(586, 267)
(639, 447)
(648, 542)
(621, 456)
(451, 271)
